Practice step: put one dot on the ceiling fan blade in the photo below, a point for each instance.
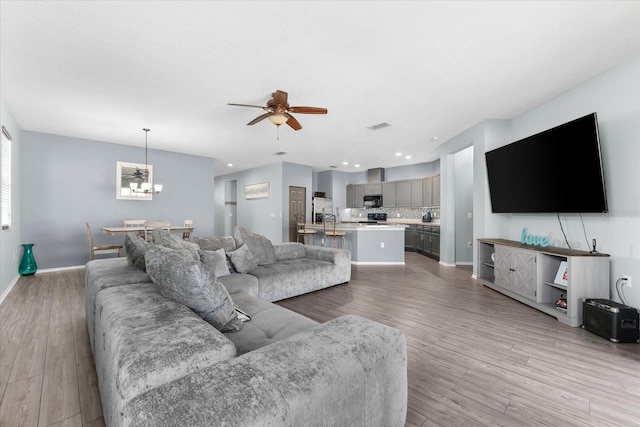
(280, 97)
(247, 105)
(295, 125)
(308, 110)
(258, 119)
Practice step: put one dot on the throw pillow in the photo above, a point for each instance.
(216, 261)
(162, 237)
(261, 248)
(213, 243)
(194, 285)
(136, 247)
(242, 260)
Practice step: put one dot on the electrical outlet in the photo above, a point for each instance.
(627, 280)
(469, 244)
(382, 245)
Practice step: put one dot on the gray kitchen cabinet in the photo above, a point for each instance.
(435, 190)
(373, 189)
(355, 195)
(410, 238)
(431, 191)
(389, 194)
(403, 193)
(428, 241)
(416, 193)
(435, 242)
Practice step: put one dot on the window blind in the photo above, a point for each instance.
(5, 186)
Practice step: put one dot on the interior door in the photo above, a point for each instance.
(297, 205)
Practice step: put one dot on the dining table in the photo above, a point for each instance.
(114, 231)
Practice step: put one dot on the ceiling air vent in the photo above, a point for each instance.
(333, 167)
(280, 153)
(379, 126)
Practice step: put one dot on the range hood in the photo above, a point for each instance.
(375, 175)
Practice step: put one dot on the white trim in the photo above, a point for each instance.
(11, 285)
(474, 276)
(446, 264)
(377, 263)
(51, 270)
(464, 263)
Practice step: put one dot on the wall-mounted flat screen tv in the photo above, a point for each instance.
(555, 171)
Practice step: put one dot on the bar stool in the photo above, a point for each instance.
(329, 226)
(302, 231)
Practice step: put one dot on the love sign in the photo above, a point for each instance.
(529, 239)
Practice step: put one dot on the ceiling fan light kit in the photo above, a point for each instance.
(278, 111)
(145, 187)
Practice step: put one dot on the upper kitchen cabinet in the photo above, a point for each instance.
(409, 193)
(431, 191)
(355, 195)
(389, 194)
(373, 189)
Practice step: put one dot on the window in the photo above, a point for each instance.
(5, 188)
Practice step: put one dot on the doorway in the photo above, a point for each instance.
(230, 207)
(297, 206)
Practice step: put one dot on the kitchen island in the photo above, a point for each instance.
(369, 244)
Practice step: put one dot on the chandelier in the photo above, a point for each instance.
(142, 175)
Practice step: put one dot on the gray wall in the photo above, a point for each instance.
(10, 249)
(66, 181)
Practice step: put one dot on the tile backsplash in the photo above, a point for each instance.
(408, 213)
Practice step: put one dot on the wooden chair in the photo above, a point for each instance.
(150, 225)
(100, 249)
(187, 234)
(329, 227)
(302, 230)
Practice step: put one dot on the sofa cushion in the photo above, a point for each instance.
(236, 283)
(269, 323)
(213, 243)
(216, 261)
(261, 248)
(144, 340)
(290, 250)
(162, 237)
(243, 260)
(136, 247)
(193, 284)
(289, 278)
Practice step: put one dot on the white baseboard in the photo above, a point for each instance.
(378, 263)
(446, 264)
(50, 270)
(11, 285)
(464, 263)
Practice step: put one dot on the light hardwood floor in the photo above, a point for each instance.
(475, 357)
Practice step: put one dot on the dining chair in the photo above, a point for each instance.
(150, 225)
(302, 231)
(329, 228)
(100, 249)
(187, 234)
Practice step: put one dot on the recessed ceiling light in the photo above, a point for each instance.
(435, 138)
(407, 157)
(356, 165)
(230, 165)
(345, 163)
(398, 154)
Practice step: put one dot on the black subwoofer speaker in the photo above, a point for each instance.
(609, 319)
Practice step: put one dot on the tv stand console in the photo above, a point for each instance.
(526, 273)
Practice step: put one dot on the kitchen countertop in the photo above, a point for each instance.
(397, 221)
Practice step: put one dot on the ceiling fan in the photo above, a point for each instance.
(279, 112)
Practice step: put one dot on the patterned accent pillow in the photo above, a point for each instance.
(213, 243)
(193, 284)
(216, 261)
(261, 248)
(136, 247)
(162, 237)
(243, 260)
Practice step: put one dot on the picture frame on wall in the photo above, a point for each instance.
(256, 191)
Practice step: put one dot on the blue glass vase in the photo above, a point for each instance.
(28, 264)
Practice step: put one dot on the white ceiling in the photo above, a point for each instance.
(103, 70)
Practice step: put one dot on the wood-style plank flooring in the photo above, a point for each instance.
(475, 357)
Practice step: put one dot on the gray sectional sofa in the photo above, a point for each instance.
(165, 357)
